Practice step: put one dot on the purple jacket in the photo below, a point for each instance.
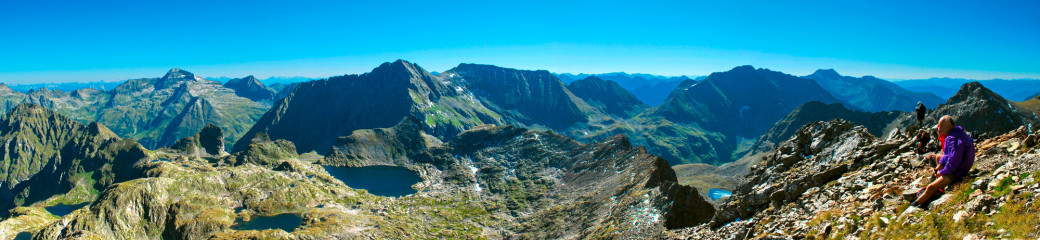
(959, 154)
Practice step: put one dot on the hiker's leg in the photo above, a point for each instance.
(933, 188)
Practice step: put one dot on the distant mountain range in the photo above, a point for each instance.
(270, 80)
(648, 88)
(154, 111)
(872, 94)
(68, 87)
(498, 153)
(1014, 89)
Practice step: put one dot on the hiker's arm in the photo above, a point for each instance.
(952, 157)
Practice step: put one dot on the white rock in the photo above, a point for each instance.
(960, 216)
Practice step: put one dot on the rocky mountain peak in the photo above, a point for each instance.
(400, 69)
(251, 88)
(176, 76)
(827, 73)
(974, 91)
(743, 68)
(177, 73)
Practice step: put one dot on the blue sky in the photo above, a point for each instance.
(48, 41)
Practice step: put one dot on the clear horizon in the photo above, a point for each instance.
(120, 40)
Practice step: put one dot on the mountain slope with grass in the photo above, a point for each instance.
(47, 154)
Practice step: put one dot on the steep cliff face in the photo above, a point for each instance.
(47, 154)
(209, 142)
(318, 112)
(607, 96)
(529, 98)
(251, 88)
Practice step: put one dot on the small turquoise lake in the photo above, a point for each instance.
(716, 193)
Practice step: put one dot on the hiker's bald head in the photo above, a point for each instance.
(945, 124)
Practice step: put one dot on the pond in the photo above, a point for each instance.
(388, 181)
(23, 236)
(61, 209)
(716, 193)
(285, 221)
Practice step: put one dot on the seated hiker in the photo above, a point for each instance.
(956, 160)
(922, 141)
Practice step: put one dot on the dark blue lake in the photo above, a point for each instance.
(23, 236)
(716, 193)
(285, 221)
(61, 209)
(386, 181)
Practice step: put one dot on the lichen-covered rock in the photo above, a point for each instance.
(817, 154)
(864, 192)
(559, 188)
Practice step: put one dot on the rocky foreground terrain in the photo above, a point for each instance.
(834, 180)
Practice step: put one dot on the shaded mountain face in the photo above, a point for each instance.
(284, 91)
(316, 113)
(717, 119)
(381, 146)
(655, 94)
(872, 94)
(979, 111)
(251, 88)
(816, 111)
(526, 97)
(48, 154)
(208, 142)
(607, 96)
(741, 102)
